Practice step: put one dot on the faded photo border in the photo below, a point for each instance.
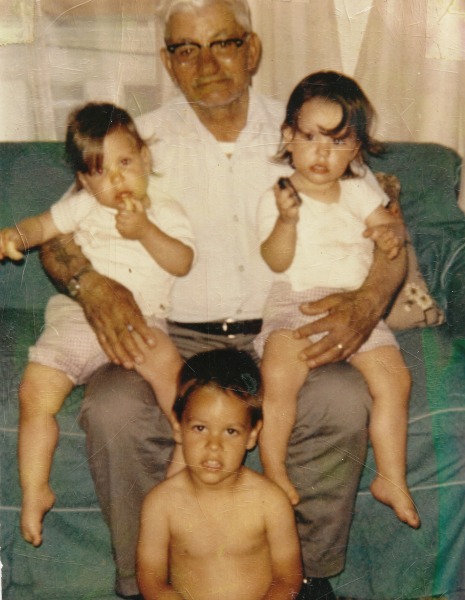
(55, 55)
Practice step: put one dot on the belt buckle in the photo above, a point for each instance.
(226, 324)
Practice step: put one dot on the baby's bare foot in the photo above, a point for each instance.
(33, 509)
(398, 497)
(281, 479)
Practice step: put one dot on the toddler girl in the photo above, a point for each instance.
(311, 232)
(130, 233)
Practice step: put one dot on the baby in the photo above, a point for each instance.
(130, 233)
(311, 230)
(217, 529)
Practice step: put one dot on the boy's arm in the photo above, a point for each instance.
(153, 549)
(109, 307)
(27, 234)
(284, 548)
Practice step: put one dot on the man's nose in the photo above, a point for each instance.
(207, 64)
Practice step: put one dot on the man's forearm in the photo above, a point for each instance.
(62, 259)
(383, 280)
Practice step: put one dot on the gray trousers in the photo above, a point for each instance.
(129, 444)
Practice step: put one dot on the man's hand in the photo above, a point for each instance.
(348, 320)
(114, 316)
(389, 238)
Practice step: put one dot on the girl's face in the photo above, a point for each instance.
(319, 159)
(124, 171)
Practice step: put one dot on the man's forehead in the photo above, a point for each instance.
(209, 23)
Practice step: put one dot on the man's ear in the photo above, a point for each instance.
(166, 60)
(254, 52)
(177, 433)
(253, 435)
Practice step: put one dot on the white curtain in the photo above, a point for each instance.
(408, 55)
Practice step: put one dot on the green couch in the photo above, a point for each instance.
(386, 559)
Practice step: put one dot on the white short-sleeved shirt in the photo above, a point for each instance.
(220, 196)
(330, 250)
(126, 261)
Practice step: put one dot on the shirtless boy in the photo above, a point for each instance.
(217, 530)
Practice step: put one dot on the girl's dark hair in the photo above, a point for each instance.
(233, 371)
(357, 112)
(87, 128)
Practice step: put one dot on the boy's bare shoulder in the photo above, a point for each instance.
(170, 492)
(267, 493)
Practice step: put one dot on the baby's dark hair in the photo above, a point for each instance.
(233, 371)
(87, 128)
(357, 112)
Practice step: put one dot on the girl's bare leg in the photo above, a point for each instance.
(389, 383)
(161, 369)
(41, 395)
(283, 374)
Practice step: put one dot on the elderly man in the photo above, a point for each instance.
(212, 149)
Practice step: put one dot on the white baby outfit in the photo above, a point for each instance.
(331, 256)
(67, 342)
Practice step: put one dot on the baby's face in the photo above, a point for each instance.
(123, 174)
(215, 433)
(320, 159)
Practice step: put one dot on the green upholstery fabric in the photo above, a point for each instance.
(386, 559)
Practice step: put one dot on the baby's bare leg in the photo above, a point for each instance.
(161, 369)
(283, 375)
(389, 383)
(41, 395)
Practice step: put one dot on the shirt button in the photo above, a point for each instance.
(241, 268)
(236, 218)
(239, 311)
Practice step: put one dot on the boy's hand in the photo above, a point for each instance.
(389, 238)
(287, 205)
(10, 242)
(132, 224)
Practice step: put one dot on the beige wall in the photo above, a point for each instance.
(406, 54)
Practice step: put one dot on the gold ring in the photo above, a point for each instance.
(340, 346)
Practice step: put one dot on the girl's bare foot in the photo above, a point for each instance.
(281, 479)
(34, 506)
(398, 497)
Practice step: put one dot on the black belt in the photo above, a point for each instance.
(252, 326)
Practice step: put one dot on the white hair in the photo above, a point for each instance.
(239, 8)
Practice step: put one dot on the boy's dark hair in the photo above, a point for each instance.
(357, 112)
(233, 371)
(87, 128)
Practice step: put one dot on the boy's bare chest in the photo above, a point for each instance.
(221, 531)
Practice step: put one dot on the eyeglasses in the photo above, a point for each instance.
(187, 53)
